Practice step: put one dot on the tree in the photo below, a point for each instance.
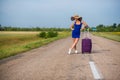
(0, 27)
(100, 28)
(114, 25)
(118, 27)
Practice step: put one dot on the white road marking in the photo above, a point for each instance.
(96, 73)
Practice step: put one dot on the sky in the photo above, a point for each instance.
(57, 13)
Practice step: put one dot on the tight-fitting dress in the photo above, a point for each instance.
(76, 31)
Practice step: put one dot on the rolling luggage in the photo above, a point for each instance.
(86, 43)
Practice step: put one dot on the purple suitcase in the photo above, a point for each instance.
(86, 45)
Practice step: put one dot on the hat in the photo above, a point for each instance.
(76, 16)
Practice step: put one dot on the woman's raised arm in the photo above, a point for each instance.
(85, 25)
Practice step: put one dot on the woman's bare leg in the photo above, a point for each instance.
(75, 43)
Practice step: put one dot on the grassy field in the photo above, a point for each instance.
(12, 43)
(110, 35)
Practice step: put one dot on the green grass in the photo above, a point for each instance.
(12, 43)
(110, 35)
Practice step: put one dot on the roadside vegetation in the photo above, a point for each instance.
(107, 28)
(110, 35)
(12, 42)
(108, 31)
(48, 34)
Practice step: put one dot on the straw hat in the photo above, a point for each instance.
(76, 16)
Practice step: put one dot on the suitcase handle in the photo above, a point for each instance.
(86, 33)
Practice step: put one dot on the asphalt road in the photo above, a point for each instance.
(52, 62)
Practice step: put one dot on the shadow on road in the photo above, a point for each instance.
(100, 51)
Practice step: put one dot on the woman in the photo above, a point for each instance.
(76, 27)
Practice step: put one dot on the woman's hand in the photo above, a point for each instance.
(82, 29)
(72, 29)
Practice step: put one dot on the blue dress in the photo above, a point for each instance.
(76, 31)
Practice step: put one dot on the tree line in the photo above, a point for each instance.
(9, 28)
(109, 28)
(100, 28)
